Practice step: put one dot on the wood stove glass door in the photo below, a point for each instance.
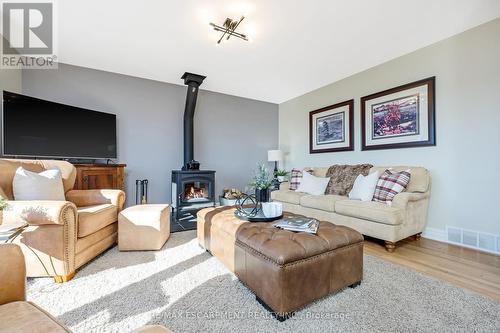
(195, 191)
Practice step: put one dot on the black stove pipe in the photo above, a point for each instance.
(193, 81)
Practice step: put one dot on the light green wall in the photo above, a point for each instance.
(464, 164)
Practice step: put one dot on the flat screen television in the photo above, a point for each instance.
(33, 127)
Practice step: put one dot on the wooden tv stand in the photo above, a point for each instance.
(100, 176)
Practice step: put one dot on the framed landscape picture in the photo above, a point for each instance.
(400, 117)
(331, 128)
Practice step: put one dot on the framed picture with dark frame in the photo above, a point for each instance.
(400, 117)
(331, 128)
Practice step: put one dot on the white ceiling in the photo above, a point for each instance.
(297, 45)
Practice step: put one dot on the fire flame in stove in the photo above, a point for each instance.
(194, 193)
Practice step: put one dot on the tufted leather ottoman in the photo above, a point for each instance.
(288, 270)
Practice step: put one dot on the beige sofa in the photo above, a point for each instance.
(61, 235)
(18, 315)
(407, 216)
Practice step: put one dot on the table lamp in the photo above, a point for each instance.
(275, 156)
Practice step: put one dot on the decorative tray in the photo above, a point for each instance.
(259, 217)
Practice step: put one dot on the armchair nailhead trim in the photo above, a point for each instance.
(66, 212)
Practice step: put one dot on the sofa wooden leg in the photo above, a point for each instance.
(418, 236)
(64, 278)
(390, 246)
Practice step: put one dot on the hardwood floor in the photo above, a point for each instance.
(466, 268)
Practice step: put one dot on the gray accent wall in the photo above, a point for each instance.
(464, 163)
(232, 134)
(10, 80)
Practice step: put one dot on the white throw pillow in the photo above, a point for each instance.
(46, 185)
(364, 187)
(312, 184)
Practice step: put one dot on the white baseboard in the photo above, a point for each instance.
(435, 234)
(442, 236)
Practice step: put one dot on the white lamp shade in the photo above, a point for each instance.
(274, 155)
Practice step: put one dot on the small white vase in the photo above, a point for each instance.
(272, 209)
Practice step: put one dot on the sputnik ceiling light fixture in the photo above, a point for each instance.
(228, 29)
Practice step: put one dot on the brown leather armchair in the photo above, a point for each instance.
(18, 315)
(61, 236)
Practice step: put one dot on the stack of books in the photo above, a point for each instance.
(298, 224)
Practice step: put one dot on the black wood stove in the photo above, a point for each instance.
(192, 188)
(193, 191)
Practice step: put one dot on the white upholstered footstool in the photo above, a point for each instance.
(143, 227)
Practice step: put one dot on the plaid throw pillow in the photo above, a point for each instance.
(295, 178)
(389, 184)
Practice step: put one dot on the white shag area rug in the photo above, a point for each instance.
(187, 290)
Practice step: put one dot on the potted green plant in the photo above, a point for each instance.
(3, 205)
(261, 182)
(282, 174)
